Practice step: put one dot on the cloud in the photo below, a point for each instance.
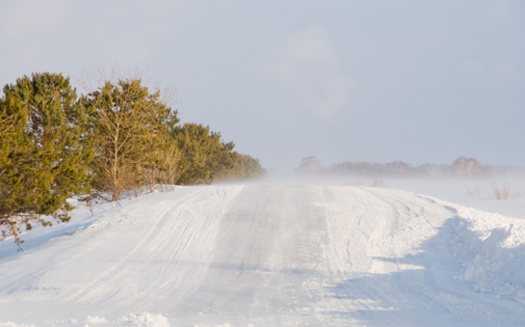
(305, 77)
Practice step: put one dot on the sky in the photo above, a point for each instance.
(342, 80)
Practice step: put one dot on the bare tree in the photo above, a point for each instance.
(309, 165)
(466, 166)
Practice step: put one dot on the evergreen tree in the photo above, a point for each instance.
(205, 157)
(44, 151)
(197, 146)
(131, 128)
(248, 167)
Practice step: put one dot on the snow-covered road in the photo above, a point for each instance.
(263, 255)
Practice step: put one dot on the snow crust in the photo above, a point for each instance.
(270, 255)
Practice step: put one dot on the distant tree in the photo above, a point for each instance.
(131, 128)
(309, 165)
(44, 151)
(225, 160)
(238, 166)
(399, 167)
(205, 157)
(432, 169)
(248, 166)
(466, 166)
(200, 149)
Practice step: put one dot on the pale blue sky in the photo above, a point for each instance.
(418, 81)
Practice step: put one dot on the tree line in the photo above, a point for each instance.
(462, 166)
(120, 138)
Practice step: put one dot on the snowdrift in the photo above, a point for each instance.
(269, 255)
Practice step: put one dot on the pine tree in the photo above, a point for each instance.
(205, 157)
(44, 152)
(132, 133)
(198, 147)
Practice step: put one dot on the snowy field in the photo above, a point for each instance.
(437, 253)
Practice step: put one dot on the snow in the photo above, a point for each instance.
(276, 254)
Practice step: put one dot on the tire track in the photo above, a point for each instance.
(114, 276)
